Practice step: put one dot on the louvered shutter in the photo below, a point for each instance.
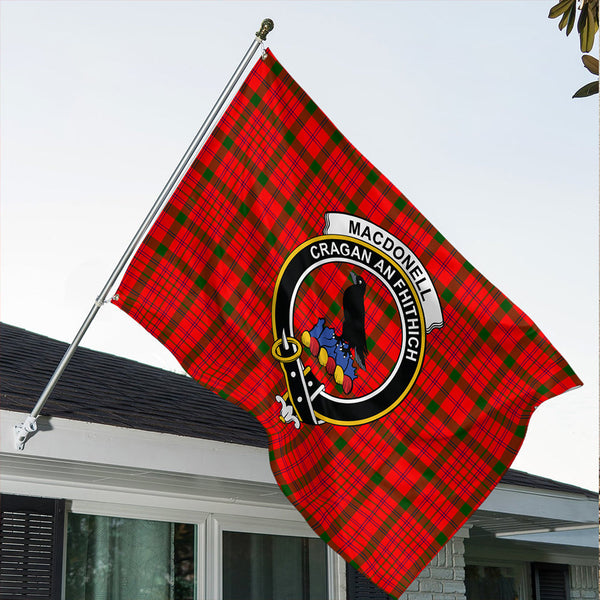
(31, 547)
(550, 582)
(360, 588)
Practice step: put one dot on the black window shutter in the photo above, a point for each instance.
(360, 588)
(550, 581)
(31, 547)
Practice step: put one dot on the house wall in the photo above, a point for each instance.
(444, 577)
(583, 581)
(105, 470)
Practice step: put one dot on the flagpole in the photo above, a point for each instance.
(29, 426)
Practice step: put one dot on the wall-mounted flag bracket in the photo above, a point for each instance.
(29, 426)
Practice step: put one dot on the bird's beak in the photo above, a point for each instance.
(353, 277)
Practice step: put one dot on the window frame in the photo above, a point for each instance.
(150, 513)
(521, 569)
(218, 523)
(209, 539)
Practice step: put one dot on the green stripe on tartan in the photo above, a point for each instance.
(311, 107)
(400, 203)
(373, 176)
(484, 334)
(336, 137)
(531, 333)
(500, 468)
(466, 509)
(340, 443)
(376, 478)
(400, 448)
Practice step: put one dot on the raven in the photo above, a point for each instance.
(353, 328)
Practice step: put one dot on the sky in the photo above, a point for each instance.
(466, 106)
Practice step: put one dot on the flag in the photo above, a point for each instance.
(395, 383)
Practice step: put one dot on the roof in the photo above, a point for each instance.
(520, 478)
(97, 387)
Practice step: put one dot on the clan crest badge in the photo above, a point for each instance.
(351, 311)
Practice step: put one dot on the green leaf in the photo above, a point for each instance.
(565, 19)
(587, 90)
(560, 8)
(572, 15)
(586, 28)
(591, 63)
(582, 21)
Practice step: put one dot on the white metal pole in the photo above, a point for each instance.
(23, 430)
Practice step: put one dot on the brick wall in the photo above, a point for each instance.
(583, 582)
(444, 577)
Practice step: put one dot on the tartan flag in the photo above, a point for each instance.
(287, 274)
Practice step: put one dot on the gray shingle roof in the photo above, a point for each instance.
(101, 388)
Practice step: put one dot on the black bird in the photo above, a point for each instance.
(353, 328)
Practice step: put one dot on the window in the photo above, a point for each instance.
(130, 552)
(266, 558)
(121, 559)
(261, 567)
(492, 582)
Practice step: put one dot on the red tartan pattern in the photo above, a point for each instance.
(388, 494)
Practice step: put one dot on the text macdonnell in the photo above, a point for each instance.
(393, 248)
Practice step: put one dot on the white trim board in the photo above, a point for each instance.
(67, 439)
(98, 461)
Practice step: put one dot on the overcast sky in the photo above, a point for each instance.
(465, 106)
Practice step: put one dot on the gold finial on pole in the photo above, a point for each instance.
(265, 27)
